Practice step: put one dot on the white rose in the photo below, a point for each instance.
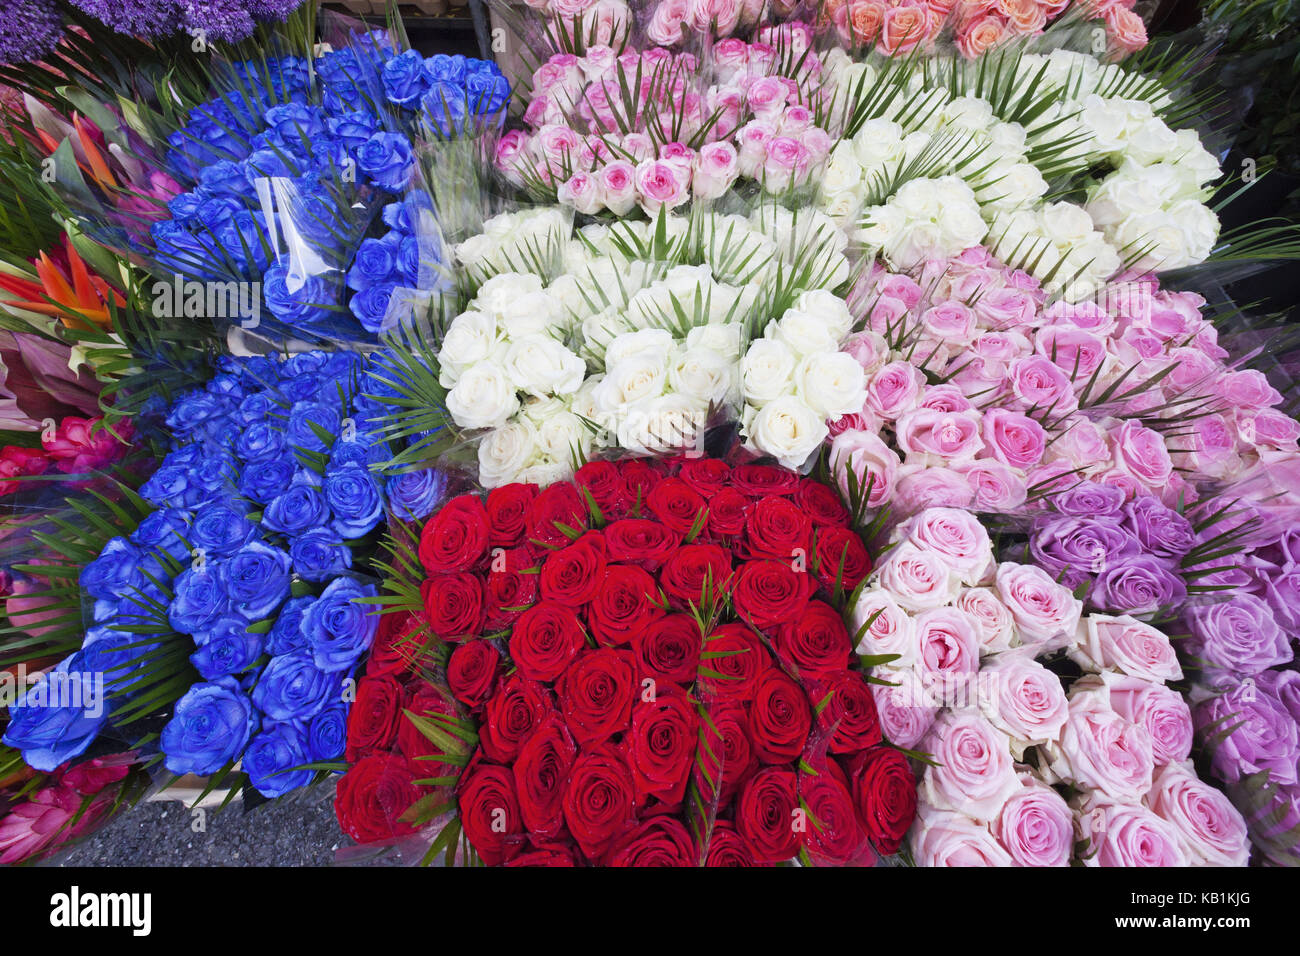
(504, 453)
(667, 423)
(654, 341)
(831, 384)
(829, 307)
(804, 333)
(483, 398)
(539, 365)
(723, 338)
(563, 436)
(702, 374)
(768, 371)
(636, 378)
(788, 430)
(470, 339)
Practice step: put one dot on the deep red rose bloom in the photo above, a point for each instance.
(516, 710)
(456, 537)
(838, 552)
(543, 858)
(727, 511)
(729, 760)
(659, 841)
(372, 721)
(779, 718)
(605, 483)
(821, 503)
(541, 771)
(684, 574)
(640, 541)
(707, 476)
(884, 792)
(676, 504)
(757, 481)
(372, 795)
(598, 799)
(834, 834)
(728, 848)
(766, 817)
(489, 812)
(545, 640)
(397, 644)
(558, 505)
(596, 694)
(768, 593)
(661, 745)
(453, 604)
(423, 699)
(507, 511)
(731, 661)
(850, 714)
(472, 672)
(774, 528)
(816, 643)
(572, 575)
(669, 649)
(639, 478)
(627, 602)
(511, 586)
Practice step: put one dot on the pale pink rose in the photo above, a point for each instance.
(1076, 353)
(716, 169)
(1084, 316)
(889, 629)
(895, 389)
(998, 488)
(767, 98)
(1100, 750)
(583, 192)
(939, 437)
(901, 287)
(660, 184)
(819, 144)
(511, 151)
(558, 144)
(1006, 308)
(1268, 426)
(1213, 444)
(1041, 608)
(920, 487)
(786, 163)
(718, 17)
(1210, 830)
(1081, 443)
(727, 103)
(1115, 478)
(795, 120)
(1126, 28)
(992, 621)
(1247, 388)
(917, 578)
(730, 59)
(1126, 645)
(1035, 825)
(906, 708)
(1041, 386)
(678, 154)
(869, 349)
(943, 838)
(752, 139)
(597, 63)
(1126, 835)
(888, 315)
(903, 29)
(873, 464)
(639, 146)
(957, 536)
(973, 773)
(1013, 439)
(951, 322)
(947, 650)
(618, 185)
(1141, 452)
(1159, 709)
(945, 398)
(570, 8)
(1023, 699)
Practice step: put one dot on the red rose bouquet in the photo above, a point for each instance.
(656, 665)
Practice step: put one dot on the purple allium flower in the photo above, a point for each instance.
(1138, 585)
(1238, 634)
(29, 30)
(148, 19)
(1260, 734)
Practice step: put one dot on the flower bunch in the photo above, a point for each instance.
(673, 22)
(76, 446)
(72, 802)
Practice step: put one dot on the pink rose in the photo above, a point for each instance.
(1100, 750)
(945, 398)
(1128, 646)
(917, 578)
(889, 630)
(752, 139)
(895, 389)
(1036, 826)
(942, 838)
(786, 163)
(1023, 699)
(992, 621)
(957, 536)
(1210, 830)
(1041, 386)
(939, 437)
(618, 186)
(582, 191)
(1119, 835)
(869, 349)
(1081, 443)
(1041, 608)
(730, 59)
(907, 709)
(1247, 388)
(660, 184)
(1013, 439)
(1269, 427)
(973, 773)
(718, 17)
(920, 487)
(716, 167)
(1159, 709)
(1084, 316)
(997, 487)
(767, 98)
(873, 464)
(901, 287)
(951, 322)
(948, 652)
(1141, 452)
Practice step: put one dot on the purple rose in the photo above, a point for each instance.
(1285, 686)
(1137, 585)
(1072, 550)
(1237, 634)
(1274, 825)
(1247, 730)
(1088, 499)
(1282, 592)
(1160, 530)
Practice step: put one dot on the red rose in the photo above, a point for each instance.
(596, 694)
(728, 848)
(727, 758)
(758, 481)
(372, 721)
(766, 818)
(371, 797)
(472, 672)
(456, 538)
(626, 603)
(660, 746)
(542, 858)
(676, 504)
(507, 510)
(707, 476)
(453, 604)
(684, 575)
(557, 516)
(727, 510)
(571, 576)
(639, 478)
(540, 772)
(511, 586)
(834, 835)
(768, 593)
(669, 649)
(850, 714)
(489, 812)
(731, 660)
(603, 480)
(884, 792)
(545, 640)
(779, 718)
(839, 554)
(517, 709)
(598, 799)
(659, 841)
(821, 503)
(423, 699)
(816, 643)
(774, 528)
(397, 645)
(640, 541)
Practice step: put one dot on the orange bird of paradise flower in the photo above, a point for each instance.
(74, 297)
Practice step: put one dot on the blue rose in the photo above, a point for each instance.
(293, 688)
(404, 78)
(320, 555)
(225, 180)
(486, 92)
(215, 213)
(210, 727)
(339, 629)
(270, 163)
(220, 529)
(442, 68)
(388, 160)
(444, 107)
(262, 481)
(244, 240)
(349, 453)
(272, 755)
(116, 569)
(113, 654)
(58, 717)
(227, 648)
(327, 734)
(164, 532)
(185, 206)
(374, 263)
(306, 388)
(298, 303)
(255, 407)
(354, 497)
(191, 411)
(299, 509)
(260, 441)
(372, 308)
(307, 419)
(353, 128)
(303, 363)
(199, 598)
(257, 580)
(415, 494)
(286, 633)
